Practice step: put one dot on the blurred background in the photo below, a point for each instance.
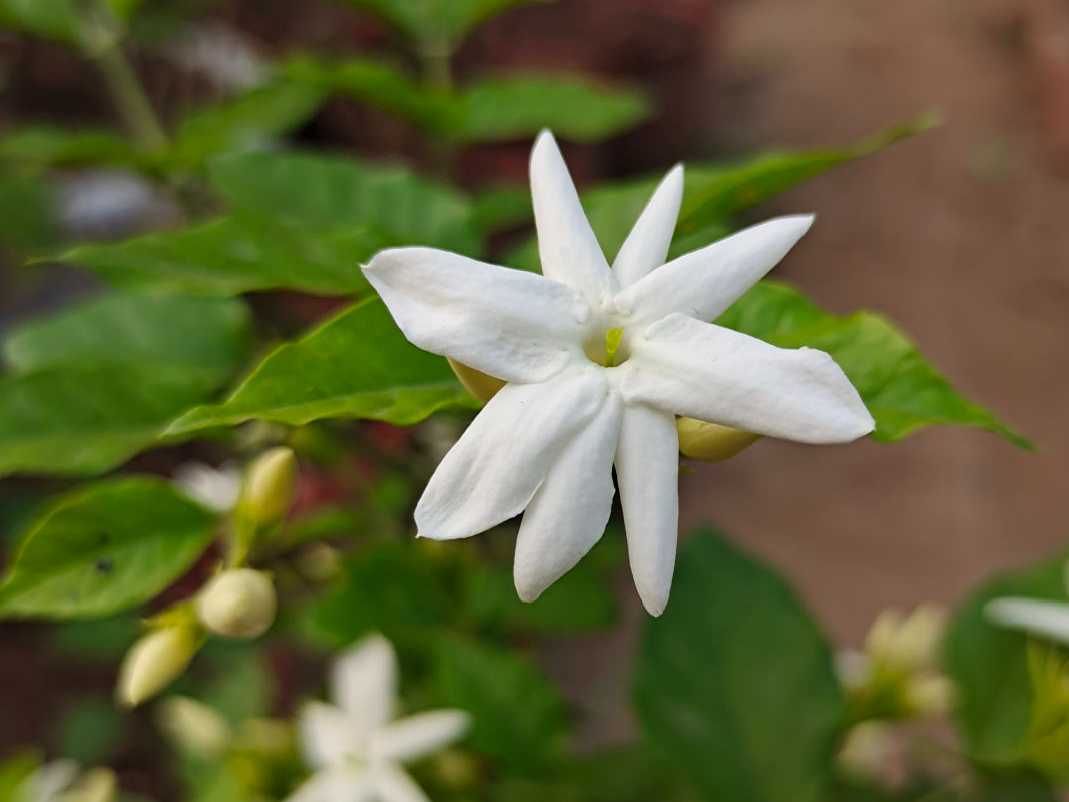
(959, 235)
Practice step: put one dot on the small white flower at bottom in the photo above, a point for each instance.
(356, 745)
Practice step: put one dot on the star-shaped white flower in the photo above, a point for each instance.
(599, 361)
(357, 747)
(1045, 619)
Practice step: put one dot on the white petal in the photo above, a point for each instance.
(363, 681)
(328, 736)
(646, 247)
(717, 375)
(703, 283)
(567, 515)
(497, 465)
(392, 784)
(566, 243)
(1047, 619)
(335, 785)
(647, 471)
(509, 323)
(419, 735)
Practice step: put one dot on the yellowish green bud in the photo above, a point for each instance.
(239, 603)
(319, 562)
(195, 728)
(270, 485)
(909, 643)
(930, 695)
(711, 441)
(268, 736)
(867, 750)
(476, 382)
(455, 769)
(155, 661)
(96, 785)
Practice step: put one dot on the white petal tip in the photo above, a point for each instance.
(655, 605)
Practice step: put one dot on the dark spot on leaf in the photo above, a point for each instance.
(105, 565)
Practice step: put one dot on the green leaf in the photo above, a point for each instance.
(450, 20)
(51, 19)
(27, 219)
(44, 146)
(383, 85)
(713, 193)
(513, 107)
(900, 388)
(989, 667)
(77, 421)
(245, 122)
(90, 729)
(736, 683)
(228, 257)
(356, 365)
(324, 191)
(123, 9)
(105, 548)
(375, 595)
(501, 207)
(722, 191)
(208, 337)
(517, 715)
(16, 769)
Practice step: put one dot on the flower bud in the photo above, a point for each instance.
(270, 485)
(155, 661)
(239, 603)
(96, 785)
(711, 441)
(267, 736)
(476, 382)
(194, 727)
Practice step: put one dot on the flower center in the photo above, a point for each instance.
(608, 349)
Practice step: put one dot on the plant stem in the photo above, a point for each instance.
(133, 105)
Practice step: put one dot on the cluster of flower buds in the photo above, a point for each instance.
(238, 602)
(897, 674)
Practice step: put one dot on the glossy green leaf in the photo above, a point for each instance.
(713, 193)
(14, 770)
(208, 337)
(245, 122)
(735, 683)
(356, 365)
(27, 219)
(517, 715)
(383, 85)
(330, 192)
(375, 594)
(229, 256)
(105, 548)
(902, 391)
(80, 421)
(513, 107)
(501, 207)
(58, 20)
(45, 146)
(448, 20)
(988, 663)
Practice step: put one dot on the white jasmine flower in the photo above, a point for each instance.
(216, 488)
(599, 360)
(356, 746)
(1045, 619)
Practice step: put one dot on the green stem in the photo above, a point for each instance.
(133, 105)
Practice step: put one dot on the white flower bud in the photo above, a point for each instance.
(711, 442)
(154, 662)
(96, 785)
(270, 485)
(193, 726)
(239, 603)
